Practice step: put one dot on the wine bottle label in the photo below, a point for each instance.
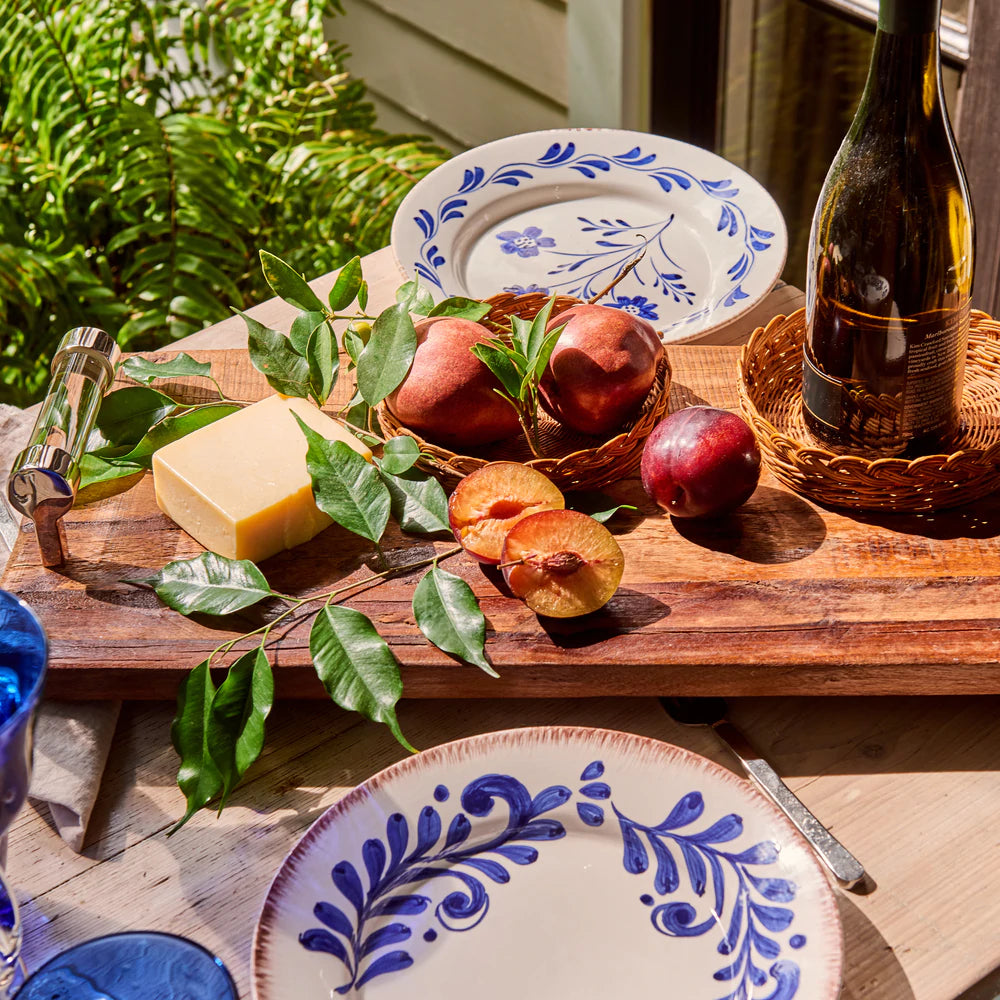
(884, 407)
(935, 365)
(822, 395)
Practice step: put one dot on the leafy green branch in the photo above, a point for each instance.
(136, 420)
(519, 365)
(219, 732)
(379, 348)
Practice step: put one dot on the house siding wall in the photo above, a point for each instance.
(463, 72)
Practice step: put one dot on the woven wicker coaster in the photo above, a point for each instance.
(770, 388)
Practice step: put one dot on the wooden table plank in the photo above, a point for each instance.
(782, 597)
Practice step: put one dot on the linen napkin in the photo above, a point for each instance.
(72, 739)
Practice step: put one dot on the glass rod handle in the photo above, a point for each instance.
(45, 476)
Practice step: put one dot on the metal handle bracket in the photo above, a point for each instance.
(45, 476)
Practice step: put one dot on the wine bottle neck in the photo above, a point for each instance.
(909, 17)
(905, 73)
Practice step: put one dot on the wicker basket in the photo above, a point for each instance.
(572, 461)
(770, 387)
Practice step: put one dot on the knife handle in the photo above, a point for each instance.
(844, 865)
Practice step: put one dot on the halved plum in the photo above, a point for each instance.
(487, 503)
(562, 563)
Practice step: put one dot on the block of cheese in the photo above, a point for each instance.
(240, 486)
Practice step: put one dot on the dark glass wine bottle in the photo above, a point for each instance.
(891, 259)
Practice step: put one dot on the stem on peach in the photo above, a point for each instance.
(618, 277)
(534, 426)
(529, 427)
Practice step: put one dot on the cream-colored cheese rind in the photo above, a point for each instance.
(240, 486)
(188, 507)
(283, 526)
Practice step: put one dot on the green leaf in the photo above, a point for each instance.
(363, 295)
(356, 666)
(324, 362)
(273, 356)
(606, 515)
(387, 356)
(545, 351)
(96, 469)
(198, 777)
(302, 329)
(345, 486)
(414, 297)
(172, 428)
(209, 583)
(287, 283)
(520, 335)
(508, 352)
(536, 332)
(363, 420)
(399, 454)
(598, 505)
(361, 328)
(462, 307)
(345, 288)
(146, 371)
(447, 612)
(127, 414)
(502, 366)
(524, 391)
(419, 503)
(353, 344)
(235, 734)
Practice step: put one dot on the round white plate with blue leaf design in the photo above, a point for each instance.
(551, 862)
(565, 210)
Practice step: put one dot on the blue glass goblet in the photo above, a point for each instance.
(23, 658)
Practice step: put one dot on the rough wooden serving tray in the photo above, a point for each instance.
(783, 597)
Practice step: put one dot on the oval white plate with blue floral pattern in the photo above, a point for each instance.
(550, 862)
(565, 210)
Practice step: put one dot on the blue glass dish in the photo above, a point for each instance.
(23, 658)
(133, 965)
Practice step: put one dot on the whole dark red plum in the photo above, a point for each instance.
(701, 461)
(601, 369)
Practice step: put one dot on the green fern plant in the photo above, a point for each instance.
(149, 148)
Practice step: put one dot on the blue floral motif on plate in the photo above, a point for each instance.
(458, 866)
(749, 924)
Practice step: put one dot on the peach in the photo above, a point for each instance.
(562, 563)
(487, 503)
(601, 369)
(447, 395)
